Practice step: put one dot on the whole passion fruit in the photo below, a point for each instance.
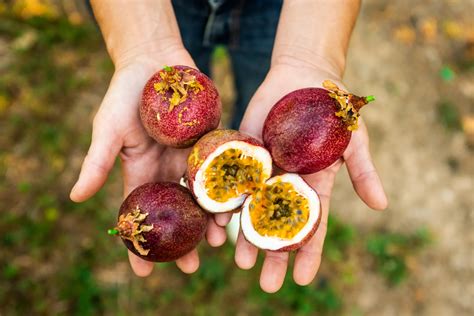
(225, 166)
(179, 104)
(282, 215)
(309, 129)
(160, 222)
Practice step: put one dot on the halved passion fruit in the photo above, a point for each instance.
(224, 167)
(281, 215)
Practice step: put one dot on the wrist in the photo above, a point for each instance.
(299, 58)
(144, 31)
(154, 54)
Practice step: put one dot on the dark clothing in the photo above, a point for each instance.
(246, 27)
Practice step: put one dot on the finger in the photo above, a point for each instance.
(223, 219)
(245, 253)
(308, 257)
(141, 267)
(215, 234)
(189, 263)
(362, 172)
(273, 271)
(99, 161)
(233, 228)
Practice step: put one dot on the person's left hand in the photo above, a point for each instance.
(281, 80)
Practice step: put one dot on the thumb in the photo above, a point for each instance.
(99, 161)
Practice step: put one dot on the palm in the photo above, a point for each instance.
(118, 130)
(280, 81)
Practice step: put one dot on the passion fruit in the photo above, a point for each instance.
(281, 216)
(309, 129)
(160, 222)
(225, 166)
(179, 104)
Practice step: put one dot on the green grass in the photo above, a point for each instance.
(449, 116)
(391, 250)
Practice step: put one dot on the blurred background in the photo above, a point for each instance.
(416, 258)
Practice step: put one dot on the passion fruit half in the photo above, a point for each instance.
(281, 216)
(160, 222)
(225, 166)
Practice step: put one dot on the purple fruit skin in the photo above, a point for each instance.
(204, 107)
(302, 132)
(178, 222)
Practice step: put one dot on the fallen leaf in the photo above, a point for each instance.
(429, 29)
(452, 29)
(468, 125)
(405, 34)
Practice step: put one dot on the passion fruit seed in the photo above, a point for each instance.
(130, 227)
(232, 174)
(279, 210)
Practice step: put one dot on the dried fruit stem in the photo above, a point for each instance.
(349, 104)
(131, 227)
(180, 82)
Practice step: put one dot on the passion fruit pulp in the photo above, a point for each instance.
(231, 174)
(283, 215)
(278, 210)
(224, 166)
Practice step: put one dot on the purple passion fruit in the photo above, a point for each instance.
(309, 129)
(160, 222)
(179, 104)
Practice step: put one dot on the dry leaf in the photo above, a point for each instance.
(405, 34)
(429, 29)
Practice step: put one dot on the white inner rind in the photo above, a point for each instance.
(273, 242)
(199, 186)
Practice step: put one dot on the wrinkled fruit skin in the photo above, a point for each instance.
(203, 108)
(178, 222)
(302, 132)
(206, 146)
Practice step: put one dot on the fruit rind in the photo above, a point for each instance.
(278, 244)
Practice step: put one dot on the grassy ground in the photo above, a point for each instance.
(55, 256)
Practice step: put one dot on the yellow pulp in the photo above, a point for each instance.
(278, 210)
(232, 174)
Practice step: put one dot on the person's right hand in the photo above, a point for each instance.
(117, 129)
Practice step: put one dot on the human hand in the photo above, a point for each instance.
(117, 129)
(282, 79)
